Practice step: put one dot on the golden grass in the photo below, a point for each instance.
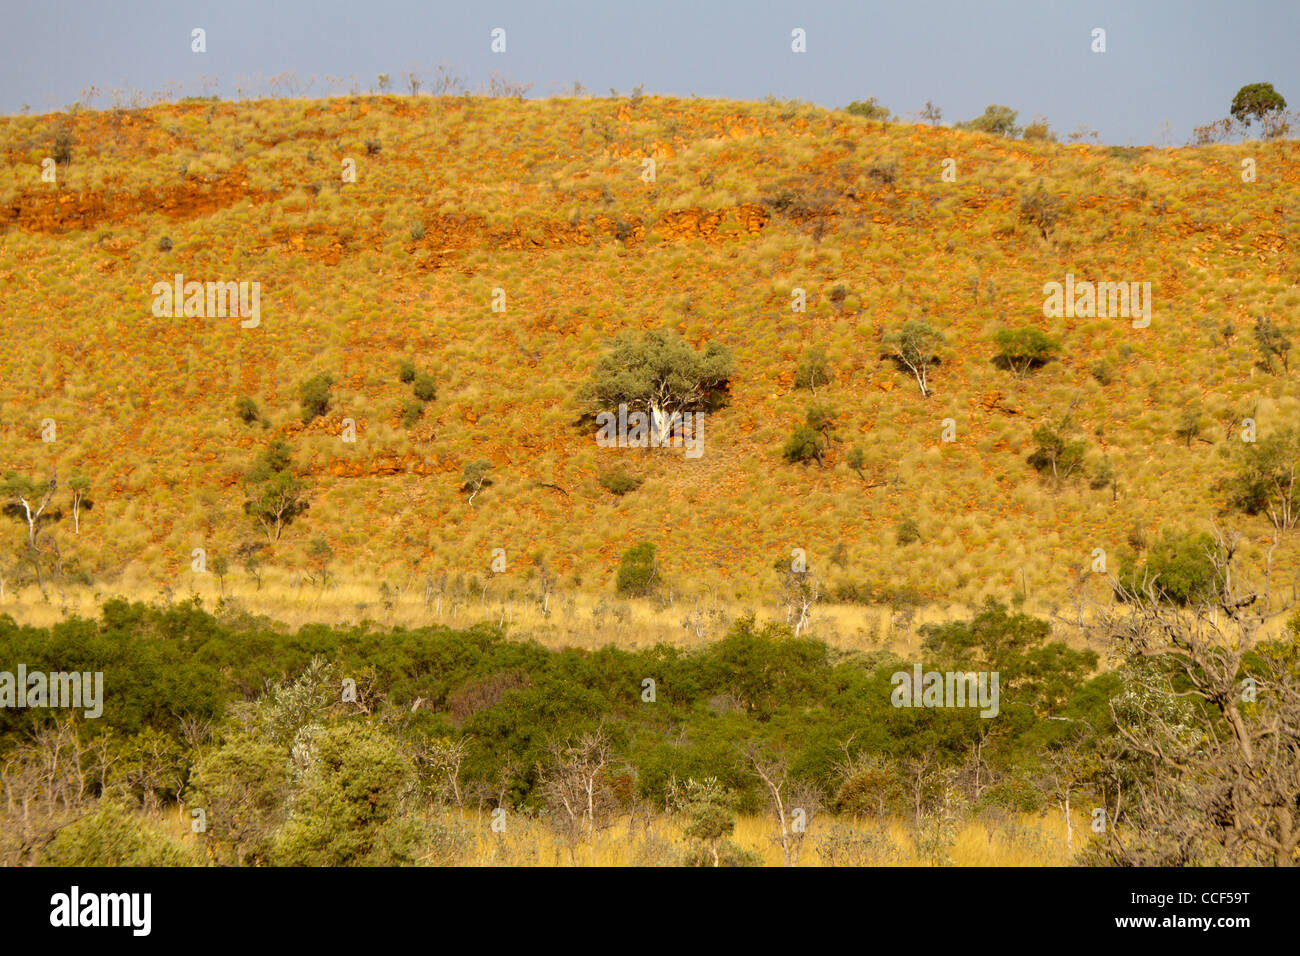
(1022, 840)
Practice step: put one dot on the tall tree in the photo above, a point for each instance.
(660, 375)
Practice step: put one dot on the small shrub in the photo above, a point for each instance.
(247, 411)
(315, 395)
(411, 412)
(619, 482)
(1040, 209)
(813, 372)
(908, 532)
(406, 371)
(638, 573)
(1103, 372)
(869, 108)
(165, 244)
(63, 144)
(426, 388)
(804, 445)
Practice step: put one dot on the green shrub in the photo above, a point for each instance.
(247, 411)
(115, 836)
(426, 387)
(619, 482)
(406, 371)
(638, 574)
(1022, 350)
(907, 532)
(315, 395)
(1178, 569)
(804, 445)
(411, 412)
(869, 108)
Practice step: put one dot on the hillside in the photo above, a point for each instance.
(457, 197)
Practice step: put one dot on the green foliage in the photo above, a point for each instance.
(315, 395)
(1103, 372)
(1056, 454)
(348, 801)
(869, 108)
(272, 495)
(1274, 344)
(813, 371)
(114, 836)
(425, 387)
(411, 412)
(805, 444)
(659, 372)
(638, 573)
(907, 532)
(406, 371)
(242, 787)
(475, 477)
(996, 120)
(706, 808)
(247, 411)
(297, 777)
(1257, 102)
(915, 348)
(1022, 350)
(1178, 570)
(620, 482)
(63, 143)
(1265, 479)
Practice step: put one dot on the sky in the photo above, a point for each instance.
(1168, 66)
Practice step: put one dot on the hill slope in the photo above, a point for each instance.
(546, 201)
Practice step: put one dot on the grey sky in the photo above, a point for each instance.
(1166, 60)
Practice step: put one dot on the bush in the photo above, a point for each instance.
(908, 532)
(406, 371)
(638, 573)
(115, 836)
(997, 120)
(1178, 569)
(315, 396)
(1022, 350)
(804, 445)
(247, 411)
(348, 803)
(417, 231)
(619, 482)
(1056, 453)
(812, 372)
(870, 109)
(411, 412)
(1041, 210)
(1103, 372)
(165, 244)
(63, 146)
(426, 388)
